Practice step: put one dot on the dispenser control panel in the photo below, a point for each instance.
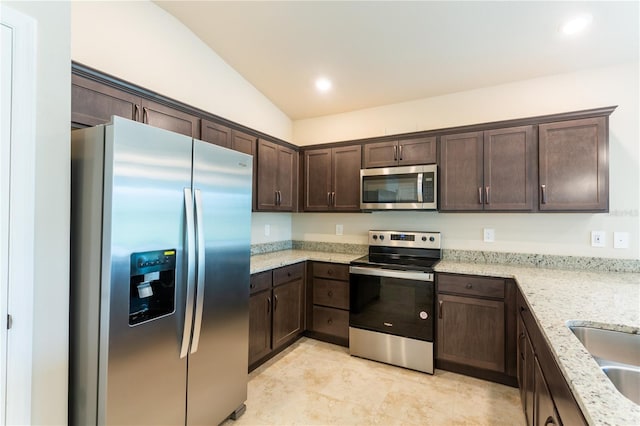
(152, 285)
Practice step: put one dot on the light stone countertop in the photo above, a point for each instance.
(276, 259)
(556, 297)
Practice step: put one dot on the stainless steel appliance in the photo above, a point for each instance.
(160, 277)
(399, 188)
(392, 299)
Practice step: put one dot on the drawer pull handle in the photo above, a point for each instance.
(550, 421)
(469, 285)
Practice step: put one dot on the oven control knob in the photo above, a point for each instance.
(424, 315)
(432, 239)
(424, 238)
(375, 237)
(381, 237)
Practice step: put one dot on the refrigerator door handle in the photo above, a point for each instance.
(191, 272)
(200, 272)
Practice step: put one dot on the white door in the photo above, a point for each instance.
(17, 147)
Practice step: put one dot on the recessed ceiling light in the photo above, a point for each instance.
(577, 24)
(323, 84)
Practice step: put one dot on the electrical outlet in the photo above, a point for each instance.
(598, 238)
(621, 240)
(489, 235)
(267, 230)
(339, 229)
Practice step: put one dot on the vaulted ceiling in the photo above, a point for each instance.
(383, 52)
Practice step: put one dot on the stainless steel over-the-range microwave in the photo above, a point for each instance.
(399, 188)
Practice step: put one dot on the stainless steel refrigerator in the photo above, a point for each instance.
(159, 320)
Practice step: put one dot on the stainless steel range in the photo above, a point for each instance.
(392, 299)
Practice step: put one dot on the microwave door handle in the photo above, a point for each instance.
(420, 198)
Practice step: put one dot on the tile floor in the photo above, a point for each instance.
(316, 383)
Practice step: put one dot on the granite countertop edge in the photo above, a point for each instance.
(557, 298)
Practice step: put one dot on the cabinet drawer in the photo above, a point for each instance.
(331, 321)
(288, 273)
(471, 285)
(333, 271)
(260, 281)
(331, 293)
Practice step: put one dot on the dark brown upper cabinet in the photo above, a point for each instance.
(94, 103)
(215, 133)
(243, 142)
(276, 177)
(492, 170)
(332, 179)
(158, 115)
(574, 165)
(221, 135)
(404, 152)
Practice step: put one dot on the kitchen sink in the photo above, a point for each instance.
(618, 354)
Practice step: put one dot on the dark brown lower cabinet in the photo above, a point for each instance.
(328, 302)
(259, 325)
(476, 327)
(276, 311)
(545, 394)
(288, 319)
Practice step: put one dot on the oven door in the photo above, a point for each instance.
(392, 302)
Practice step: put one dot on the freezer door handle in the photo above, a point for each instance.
(199, 272)
(191, 272)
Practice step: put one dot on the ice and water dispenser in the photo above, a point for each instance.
(152, 285)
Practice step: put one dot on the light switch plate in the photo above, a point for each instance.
(489, 235)
(598, 238)
(267, 230)
(339, 229)
(621, 240)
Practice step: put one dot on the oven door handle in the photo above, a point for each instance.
(391, 273)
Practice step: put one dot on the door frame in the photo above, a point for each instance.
(17, 230)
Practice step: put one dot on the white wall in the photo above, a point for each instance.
(565, 234)
(52, 197)
(279, 227)
(141, 43)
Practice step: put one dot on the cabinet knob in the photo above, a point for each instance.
(330, 321)
(252, 286)
(469, 285)
(330, 293)
(330, 272)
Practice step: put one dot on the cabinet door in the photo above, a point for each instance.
(259, 325)
(287, 168)
(509, 164)
(417, 151)
(164, 117)
(525, 371)
(288, 313)
(381, 154)
(317, 180)
(574, 171)
(215, 133)
(461, 169)
(243, 142)
(346, 178)
(545, 413)
(471, 331)
(94, 103)
(267, 175)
